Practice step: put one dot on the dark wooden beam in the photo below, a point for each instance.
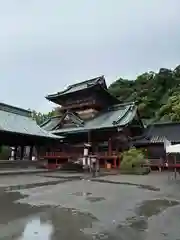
(30, 152)
(22, 152)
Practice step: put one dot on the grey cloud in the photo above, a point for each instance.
(46, 45)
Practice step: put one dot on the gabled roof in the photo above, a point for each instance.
(79, 86)
(116, 116)
(160, 133)
(18, 120)
(51, 123)
(169, 131)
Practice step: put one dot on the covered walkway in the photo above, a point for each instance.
(18, 129)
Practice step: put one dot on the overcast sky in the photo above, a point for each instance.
(47, 44)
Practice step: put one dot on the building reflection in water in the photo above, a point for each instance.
(36, 229)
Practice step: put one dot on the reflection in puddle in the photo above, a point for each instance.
(54, 224)
(35, 229)
(81, 194)
(95, 199)
(153, 207)
(147, 187)
(137, 223)
(33, 185)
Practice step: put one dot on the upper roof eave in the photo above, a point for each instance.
(79, 87)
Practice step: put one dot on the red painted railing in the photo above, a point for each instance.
(59, 155)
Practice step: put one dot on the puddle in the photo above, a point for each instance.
(70, 178)
(25, 222)
(88, 196)
(36, 229)
(137, 223)
(58, 224)
(34, 185)
(147, 187)
(82, 194)
(95, 199)
(11, 210)
(136, 227)
(153, 207)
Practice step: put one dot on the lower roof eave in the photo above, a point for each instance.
(49, 136)
(86, 130)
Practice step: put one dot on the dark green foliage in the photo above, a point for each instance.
(5, 152)
(42, 117)
(132, 158)
(153, 93)
(133, 161)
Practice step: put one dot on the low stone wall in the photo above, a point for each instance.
(9, 164)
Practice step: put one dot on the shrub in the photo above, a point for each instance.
(132, 159)
(4, 152)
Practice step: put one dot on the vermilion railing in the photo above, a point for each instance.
(77, 155)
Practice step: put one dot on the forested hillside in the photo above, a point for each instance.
(157, 94)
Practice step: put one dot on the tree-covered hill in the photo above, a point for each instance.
(157, 94)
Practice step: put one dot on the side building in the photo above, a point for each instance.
(89, 114)
(156, 137)
(19, 132)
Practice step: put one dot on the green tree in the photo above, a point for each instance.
(151, 91)
(171, 110)
(5, 152)
(131, 159)
(41, 117)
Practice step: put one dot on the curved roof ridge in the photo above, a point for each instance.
(95, 80)
(16, 110)
(127, 110)
(90, 83)
(76, 117)
(164, 123)
(49, 119)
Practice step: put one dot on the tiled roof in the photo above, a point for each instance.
(17, 120)
(158, 139)
(169, 131)
(115, 116)
(160, 133)
(79, 86)
(16, 110)
(51, 123)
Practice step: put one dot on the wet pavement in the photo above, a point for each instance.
(73, 207)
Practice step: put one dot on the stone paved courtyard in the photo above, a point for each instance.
(63, 206)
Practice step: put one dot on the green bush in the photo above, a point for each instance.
(4, 152)
(132, 159)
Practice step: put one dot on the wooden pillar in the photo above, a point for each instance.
(22, 152)
(110, 147)
(38, 150)
(89, 137)
(105, 163)
(15, 152)
(175, 169)
(115, 166)
(30, 152)
(90, 142)
(119, 159)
